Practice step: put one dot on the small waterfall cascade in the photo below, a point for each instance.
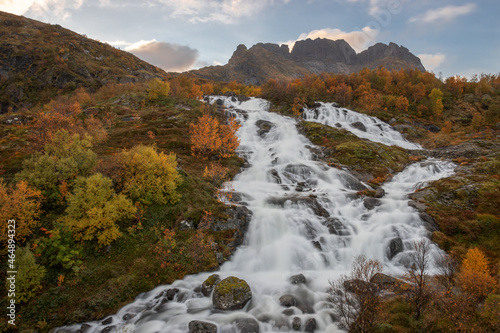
(361, 125)
(307, 219)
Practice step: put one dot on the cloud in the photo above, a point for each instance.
(222, 11)
(58, 8)
(359, 40)
(432, 61)
(168, 56)
(18, 7)
(447, 13)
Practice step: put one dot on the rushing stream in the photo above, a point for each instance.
(306, 219)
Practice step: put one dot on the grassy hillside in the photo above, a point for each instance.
(39, 61)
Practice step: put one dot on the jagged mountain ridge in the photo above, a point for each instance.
(264, 61)
(39, 61)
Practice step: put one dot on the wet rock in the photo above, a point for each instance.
(107, 321)
(359, 125)
(275, 175)
(197, 326)
(287, 301)
(288, 312)
(108, 329)
(335, 227)
(247, 325)
(379, 193)
(264, 127)
(310, 325)
(219, 101)
(231, 294)
(128, 316)
(297, 279)
(171, 293)
(395, 246)
(296, 323)
(309, 202)
(371, 203)
(239, 219)
(209, 284)
(317, 245)
(84, 328)
(351, 182)
(429, 223)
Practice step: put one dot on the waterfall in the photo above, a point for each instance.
(307, 219)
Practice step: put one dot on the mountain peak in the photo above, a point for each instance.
(264, 61)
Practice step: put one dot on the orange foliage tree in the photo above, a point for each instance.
(22, 204)
(475, 279)
(209, 137)
(60, 115)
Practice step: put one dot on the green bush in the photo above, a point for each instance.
(29, 275)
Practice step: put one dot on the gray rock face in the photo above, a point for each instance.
(197, 326)
(247, 325)
(336, 227)
(308, 202)
(395, 246)
(231, 294)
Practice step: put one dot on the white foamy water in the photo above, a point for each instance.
(374, 129)
(307, 219)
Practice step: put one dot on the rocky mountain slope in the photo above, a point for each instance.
(265, 61)
(38, 61)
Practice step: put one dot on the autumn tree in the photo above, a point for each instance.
(94, 210)
(157, 88)
(149, 176)
(418, 276)
(402, 104)
(436, 100)
(63, 115)
(21, 204)
(474, 278)
(355, 298)
(62, 160)
(211, 138)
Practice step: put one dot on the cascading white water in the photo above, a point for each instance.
(372, 128)
(306, 219)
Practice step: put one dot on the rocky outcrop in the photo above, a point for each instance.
(231, 294)
(264, 61)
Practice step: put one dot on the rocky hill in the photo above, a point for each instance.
(38, 61)
(265, 61)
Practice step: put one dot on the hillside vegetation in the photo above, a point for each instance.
(113, 176)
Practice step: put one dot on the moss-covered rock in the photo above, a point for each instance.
(373, 159)
(231, 294)
(209, 284)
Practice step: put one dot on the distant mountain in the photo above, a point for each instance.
(39, 61)
(265, 61)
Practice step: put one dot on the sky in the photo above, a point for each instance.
(451, 37)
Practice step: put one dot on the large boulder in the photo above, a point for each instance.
(231, 294)
(287, 301)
